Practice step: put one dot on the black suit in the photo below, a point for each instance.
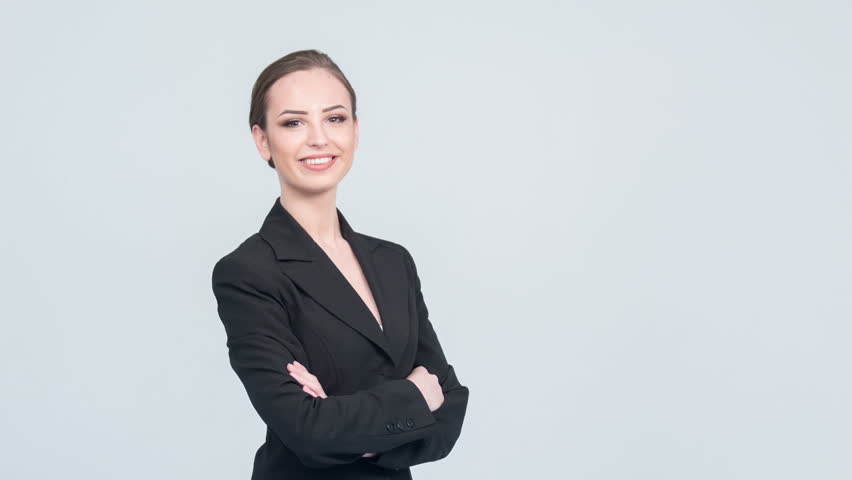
(281, 298)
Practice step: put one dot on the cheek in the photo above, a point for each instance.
(287, 145)
(345, 140)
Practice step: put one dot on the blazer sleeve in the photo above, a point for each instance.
(449, 416)
(321, 432)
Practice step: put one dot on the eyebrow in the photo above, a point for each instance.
(302, 112)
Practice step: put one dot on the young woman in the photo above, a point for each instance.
(326, 327)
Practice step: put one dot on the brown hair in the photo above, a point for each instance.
(292, 62)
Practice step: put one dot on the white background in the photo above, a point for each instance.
(631, 219)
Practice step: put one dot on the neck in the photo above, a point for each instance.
(317, 214)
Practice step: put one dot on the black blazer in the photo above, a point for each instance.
(280, 299)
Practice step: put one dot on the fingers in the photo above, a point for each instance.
(313, 393)
(297, 367)
(301, 368)
(306, 380)
(310, 391)
(309, 382)
(302, 376)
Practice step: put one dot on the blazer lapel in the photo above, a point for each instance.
(307, 264)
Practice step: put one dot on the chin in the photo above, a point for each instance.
(318, 185)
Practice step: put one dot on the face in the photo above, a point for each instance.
(308, 115)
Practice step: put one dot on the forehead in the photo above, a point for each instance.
(307, 90)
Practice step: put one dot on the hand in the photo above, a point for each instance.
(311, 385)
(309, 382)
(429, 386)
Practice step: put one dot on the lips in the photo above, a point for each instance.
(318, 156)
(318, 164)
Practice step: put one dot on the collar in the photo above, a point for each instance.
(307, 264)
(291, 241)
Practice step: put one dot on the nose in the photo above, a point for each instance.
(317, 136)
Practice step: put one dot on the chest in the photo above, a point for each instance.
(344, 259)
(356, 323)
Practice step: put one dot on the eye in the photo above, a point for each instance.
(290, 123)
(340, 118)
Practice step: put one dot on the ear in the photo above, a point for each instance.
(356, 135)
(261, 142)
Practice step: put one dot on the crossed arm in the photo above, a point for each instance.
(337, 429)
(449, 417)
(435, 446)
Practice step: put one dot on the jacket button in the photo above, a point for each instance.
(391, 427)
(410, 423)
(399, 424)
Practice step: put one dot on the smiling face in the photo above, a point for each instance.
(308, 114)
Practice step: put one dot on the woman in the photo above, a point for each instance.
(326, 327)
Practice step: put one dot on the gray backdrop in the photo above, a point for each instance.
(632, 222)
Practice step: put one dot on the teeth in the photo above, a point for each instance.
(316, 161)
